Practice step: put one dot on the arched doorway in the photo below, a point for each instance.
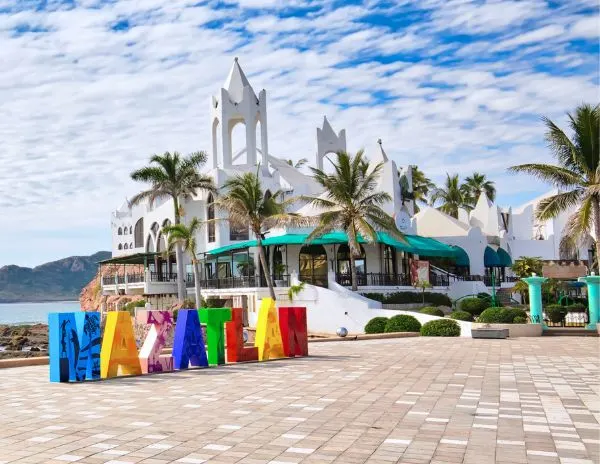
(343, 266)
(313, 265)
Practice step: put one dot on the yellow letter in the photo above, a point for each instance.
(268, 335)
(118, 347)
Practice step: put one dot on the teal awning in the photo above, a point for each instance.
(423, 246)
(462, 258)
(504, 257)
(491, 258)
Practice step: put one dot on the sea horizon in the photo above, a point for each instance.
(34, 312)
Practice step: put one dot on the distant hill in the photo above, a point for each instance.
(54, 281)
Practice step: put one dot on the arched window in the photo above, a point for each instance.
(313, 265)
(160, 242)
(155, 228)
(343, 260)
(120, 231)
(138, 237)
(120, 246)
(268, 194)
(210, 216)
(149, 244)
(130, 230)
(131, 246)
(126, 247)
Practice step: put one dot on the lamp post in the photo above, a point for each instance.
(593, 290)
(535, 298)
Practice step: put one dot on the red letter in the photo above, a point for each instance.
(235, 340)
(294, 333)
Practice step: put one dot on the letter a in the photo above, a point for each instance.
(188, 345)
(161, 325)
(268, 335)
(214, 318)
(235, 339)
(118, 346)
(74, 346)
(292, 321)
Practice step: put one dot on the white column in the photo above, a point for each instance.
(250, 141)
(226, 143)
(264, 145)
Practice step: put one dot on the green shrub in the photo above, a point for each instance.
(520, 320)
(461, 316)
(402, 323)
(576, 308)
(435, 299)
(376, 325)
(473, 305)
(432, 311)
(375, 296)
(556, 313)
(130, 307)
(441, 328)
(501, 315)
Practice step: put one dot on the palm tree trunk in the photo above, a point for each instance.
(353, 273)
(179, 257)
(597, 231)
(263, 262)
(197, 285)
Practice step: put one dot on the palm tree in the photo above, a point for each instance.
(421, 186)
(477, 184)
(577, 175)
(452, 196)
(249, 206)
(177, 177)
(352, 203)
(298, 164)
(185, 237)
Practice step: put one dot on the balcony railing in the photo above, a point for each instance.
(238, 282)
(163, 277)
(373, 279)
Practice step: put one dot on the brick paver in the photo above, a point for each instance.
(417, 400)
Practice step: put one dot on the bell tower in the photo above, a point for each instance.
(329, 142)
(237, 103)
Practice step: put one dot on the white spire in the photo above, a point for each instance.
(236, 81)
(383, 153)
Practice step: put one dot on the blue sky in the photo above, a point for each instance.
(90, 89)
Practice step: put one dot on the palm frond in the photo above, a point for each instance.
(555, 175)
(552, 206)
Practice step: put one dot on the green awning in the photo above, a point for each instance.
(462, 258)
(504, 257)
(137, 258)
(491, 258)
(423, 246)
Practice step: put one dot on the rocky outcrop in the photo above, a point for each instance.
(91, 298)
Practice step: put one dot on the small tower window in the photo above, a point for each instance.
(120, 231)
(126, 247)
(210, 215)
(120, 246)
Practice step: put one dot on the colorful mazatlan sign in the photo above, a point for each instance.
(78, 352)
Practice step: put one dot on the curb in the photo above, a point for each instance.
(44, 360)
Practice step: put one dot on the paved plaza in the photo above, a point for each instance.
(415, 400)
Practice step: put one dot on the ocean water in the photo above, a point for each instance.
(31, 313)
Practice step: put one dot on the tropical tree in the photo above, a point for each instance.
(353, 203)
(298, 164)
(421, 187)
(185, 237)
(527, 265)
(477, 184)
(577, 175)
(177, 177)
(452, 195)
(248, 206)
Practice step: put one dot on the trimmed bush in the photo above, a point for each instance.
(556, 313)
(374, 296)
(520, 320)
(461, 316)
(432, 311)
(441, 328)
(402, 323)
(435, 299)
(475, 306)
(501, 315)
(376, 325)
(576, 308)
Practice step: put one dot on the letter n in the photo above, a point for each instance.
(188, 344)
(294, 333)
(118, 346)
(235, 339)
(74, 346)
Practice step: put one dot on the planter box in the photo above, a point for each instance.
(514, 330)
(488, 332)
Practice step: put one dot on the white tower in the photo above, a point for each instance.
(238, 104)
(328, 141)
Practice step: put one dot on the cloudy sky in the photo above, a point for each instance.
(89, 89)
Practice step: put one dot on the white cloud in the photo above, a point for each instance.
(588, 27)
(539, 35)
